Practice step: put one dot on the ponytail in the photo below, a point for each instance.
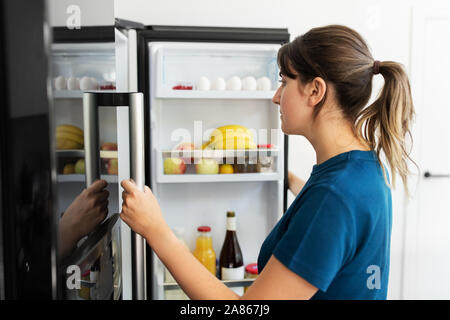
(385, 124)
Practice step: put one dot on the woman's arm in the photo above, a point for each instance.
(141, 211)
(295, 183)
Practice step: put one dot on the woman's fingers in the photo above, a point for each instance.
(128, 186)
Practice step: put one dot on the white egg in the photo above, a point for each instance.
(203, 84)
(73, 83)
(263, 84)
(60, 83)
(85, 83)
(249, 84)
(94, 84)
(234, 84)
(219, 84)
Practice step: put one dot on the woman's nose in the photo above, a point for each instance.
(276, 97)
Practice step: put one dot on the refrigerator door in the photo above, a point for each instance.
(101, 54)
(27, 220)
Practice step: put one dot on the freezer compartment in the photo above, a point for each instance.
(215, 70)
(81, 67)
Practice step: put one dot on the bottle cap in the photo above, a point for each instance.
(230, 214)
(204, 229)
(252, 268)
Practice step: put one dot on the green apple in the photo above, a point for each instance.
(174, 166)
(79, 166)
(207, 166)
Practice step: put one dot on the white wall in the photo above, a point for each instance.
(386, 25)
(92, 13)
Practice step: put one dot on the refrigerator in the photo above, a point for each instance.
(133, 103)
(172, 62)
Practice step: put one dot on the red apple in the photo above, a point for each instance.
(186, 146)
(111, 146)
(174, 166)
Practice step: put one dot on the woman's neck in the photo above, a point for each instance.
(332, 137)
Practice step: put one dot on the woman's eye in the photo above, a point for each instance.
(283, 83)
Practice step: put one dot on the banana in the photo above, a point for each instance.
(69, 136)
(64, 144)
(70, 129)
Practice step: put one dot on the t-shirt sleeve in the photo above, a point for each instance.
(319, 238)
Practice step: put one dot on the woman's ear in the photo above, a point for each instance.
(316, 91)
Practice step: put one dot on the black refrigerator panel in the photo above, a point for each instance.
(28, 232)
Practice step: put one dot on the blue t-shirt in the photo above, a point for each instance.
(336, 234)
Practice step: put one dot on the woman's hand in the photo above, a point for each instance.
(141, 211)
(295, 183)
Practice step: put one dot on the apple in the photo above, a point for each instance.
(79, 166)
(113, 166)
(207, 166)
(69, 168)
(186, 146)
(174, 166)
(111, 146)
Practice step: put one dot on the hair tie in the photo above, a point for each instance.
(376, 67)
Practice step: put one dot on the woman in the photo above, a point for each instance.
(333, 241)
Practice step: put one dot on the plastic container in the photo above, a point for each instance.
(204, 251)
(251, 272)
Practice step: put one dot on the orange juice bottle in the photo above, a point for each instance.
(204, 251)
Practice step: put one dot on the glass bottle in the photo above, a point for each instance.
(231, 261)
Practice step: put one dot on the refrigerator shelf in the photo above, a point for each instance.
(62, 178)
(196, 94)
(74, 153)
(235, 177)
(228, 283)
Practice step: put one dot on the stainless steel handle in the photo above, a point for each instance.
(137, 166)
(135, 102)
(430, 175)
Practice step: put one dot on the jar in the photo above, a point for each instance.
(251, 272)
(264, 163)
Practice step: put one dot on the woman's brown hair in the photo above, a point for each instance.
(340, 56)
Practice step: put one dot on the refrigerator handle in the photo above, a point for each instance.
(135, 102)
(137, 170)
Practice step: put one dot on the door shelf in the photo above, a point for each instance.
(62, 178)
(196, 94)
(228, 283)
